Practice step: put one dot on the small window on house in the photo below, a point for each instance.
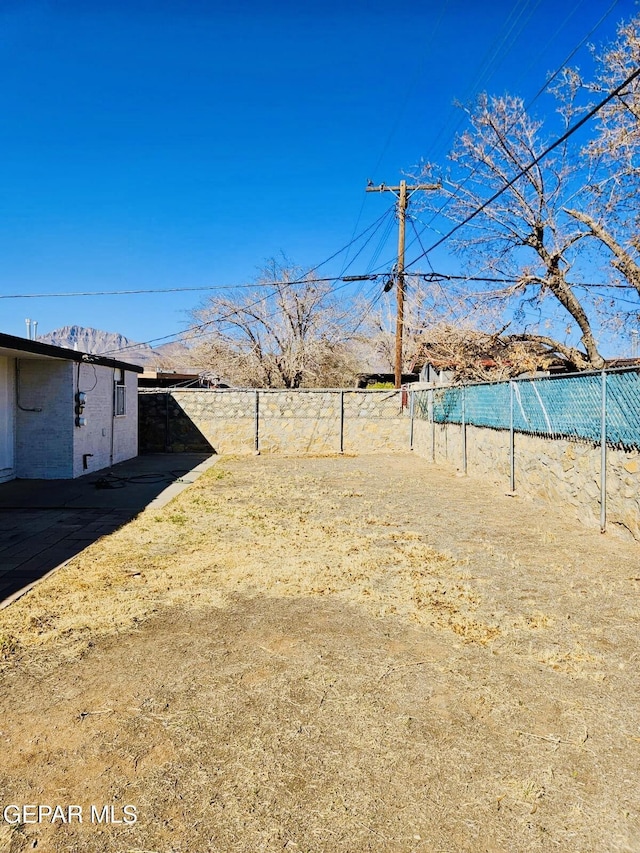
(119, 395)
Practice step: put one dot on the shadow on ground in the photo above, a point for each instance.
(45, 522)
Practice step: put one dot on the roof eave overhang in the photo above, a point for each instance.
(14, 347)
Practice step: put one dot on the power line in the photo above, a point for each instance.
(437, 276)
(484, 72)
(133, 291)
(388, 226)
(124, 292)
(540, 91)
(171, 289)
(350, 243)
(381, 244)
(201, 326)
(533, 163)
(201, 329)
(411, 87)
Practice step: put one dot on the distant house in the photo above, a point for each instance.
(180, 378)
(476, 356)
(63, 412)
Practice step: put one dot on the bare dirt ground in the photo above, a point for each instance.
(329, 654)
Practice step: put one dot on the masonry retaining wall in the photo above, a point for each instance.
(274, 421)
(554, 470)
(562, 471)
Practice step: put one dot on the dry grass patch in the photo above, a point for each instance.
(238, 530)
(336, 655)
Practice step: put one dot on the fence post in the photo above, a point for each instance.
(603, 454)
(431, 411)
(512, 461)
(411, 413)
(256, 448)
(341, 421)
(464, 431)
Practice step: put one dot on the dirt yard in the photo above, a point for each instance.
(328, 654)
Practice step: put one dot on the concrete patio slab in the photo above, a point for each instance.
(43, 523)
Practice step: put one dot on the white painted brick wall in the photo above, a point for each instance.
(44, 439)
(107, 438)
(48, 443)
(125, 438)
(7, 419)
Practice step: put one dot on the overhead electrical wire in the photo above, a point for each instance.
(484, 71)
(202, 329)
(377, 222)
(198, 327)
(527, 106)
(438, 280)
(133, 291)
(124, 292)
(522, 173)
(375, 225)
(403, 107)
(409, 89)
(381, 244)
(388, 225)
(563, 138)
(359, 288)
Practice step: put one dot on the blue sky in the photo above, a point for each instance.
(159, 144)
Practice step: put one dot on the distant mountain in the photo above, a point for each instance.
(117, 346)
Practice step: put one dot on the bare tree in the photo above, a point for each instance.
(525, 235)
(577, 206)
(289, 330)
(611, 215)
(443, 328)
(473, 355)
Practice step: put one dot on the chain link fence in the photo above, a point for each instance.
(581, 407)
(601, 409)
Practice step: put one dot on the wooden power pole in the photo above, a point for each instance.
(403, 193)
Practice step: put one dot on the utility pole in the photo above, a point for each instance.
(403, 193)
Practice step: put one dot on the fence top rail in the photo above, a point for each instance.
(551, 378)
(390, 392)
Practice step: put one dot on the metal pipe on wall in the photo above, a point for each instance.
(430, 404)
(167, 436)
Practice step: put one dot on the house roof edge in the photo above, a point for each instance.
(51, 351)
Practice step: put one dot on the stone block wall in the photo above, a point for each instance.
(295, 422)
(555, 470)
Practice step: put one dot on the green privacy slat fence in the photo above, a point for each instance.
(568, 406)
